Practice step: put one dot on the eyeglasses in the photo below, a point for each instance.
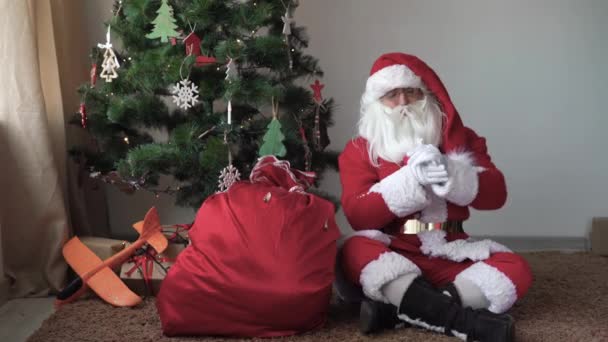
(410, 94)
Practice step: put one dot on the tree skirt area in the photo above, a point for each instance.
(567, 302)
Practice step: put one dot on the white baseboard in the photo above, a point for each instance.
(541, 243)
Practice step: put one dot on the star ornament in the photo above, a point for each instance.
(316, 88)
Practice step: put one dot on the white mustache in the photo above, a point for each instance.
(412, 110)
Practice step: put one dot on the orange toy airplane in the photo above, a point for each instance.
(98, 274)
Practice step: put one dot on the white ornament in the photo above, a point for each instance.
(231, 72)
(110, 61)
(287, 20)
(185, 94)
(228, 176)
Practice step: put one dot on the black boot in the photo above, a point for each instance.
(376, 316)
(424, 306)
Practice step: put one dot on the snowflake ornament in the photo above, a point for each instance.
(228, 176)
(185, 94)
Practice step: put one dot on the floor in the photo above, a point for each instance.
(19, 318)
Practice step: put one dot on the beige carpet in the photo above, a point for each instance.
(568, 302)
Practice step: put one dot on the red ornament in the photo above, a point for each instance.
(83, 115)
(192, 43)
(93, 74)
(204, 60)
(317, 87)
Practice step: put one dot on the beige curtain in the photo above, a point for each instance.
(44, 57)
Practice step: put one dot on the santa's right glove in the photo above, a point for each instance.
(428, 165)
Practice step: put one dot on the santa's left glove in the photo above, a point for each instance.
(462, 184)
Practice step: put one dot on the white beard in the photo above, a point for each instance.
(392, 133)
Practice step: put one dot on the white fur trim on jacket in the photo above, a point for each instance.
(373, 234)
(495, 285)
(388, 267)
(436, 211)
(402, 193)
(434, 244)
(463, 183)
(387, 79)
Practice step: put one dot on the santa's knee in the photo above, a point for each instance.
(516, 268)
(357, 252)
(503, 278)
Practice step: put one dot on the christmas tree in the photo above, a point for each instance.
(197, 107)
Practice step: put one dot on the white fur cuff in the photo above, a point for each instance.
(402, 193)
(436, 212)
(495, 285)
(388, 267)
(463, 183)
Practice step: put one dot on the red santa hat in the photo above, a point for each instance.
(400, 70)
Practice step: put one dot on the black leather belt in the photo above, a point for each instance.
(452, 226)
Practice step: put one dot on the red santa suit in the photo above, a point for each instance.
(377, 200)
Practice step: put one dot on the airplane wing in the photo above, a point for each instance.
(105, 282)
(158, 241)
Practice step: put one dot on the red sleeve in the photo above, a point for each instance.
(364, 210)
(492, 193)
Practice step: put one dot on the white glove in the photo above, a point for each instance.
(428, 165)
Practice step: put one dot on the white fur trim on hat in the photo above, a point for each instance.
(463, 183)
(388, 267)
(495, 285)
(434, 244)
(402, 193)
(387, 79)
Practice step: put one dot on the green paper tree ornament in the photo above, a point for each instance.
(164, 24)
(273, 140)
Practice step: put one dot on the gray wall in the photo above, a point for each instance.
(527, 75)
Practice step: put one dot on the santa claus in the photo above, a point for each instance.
(414, 159)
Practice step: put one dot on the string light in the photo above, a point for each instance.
(126, 139)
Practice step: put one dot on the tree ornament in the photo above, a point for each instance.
(164, 24)
(318, 98)
(83, 115)
(192, 44)
(316, 88)
(287, 21)
(228, 176)
(307, 153)
(231, 71)
(110, 62)
(273, 139)
(185, 94)
(205, 60)
(93, 74)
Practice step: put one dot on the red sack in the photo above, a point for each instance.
(260, 263)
